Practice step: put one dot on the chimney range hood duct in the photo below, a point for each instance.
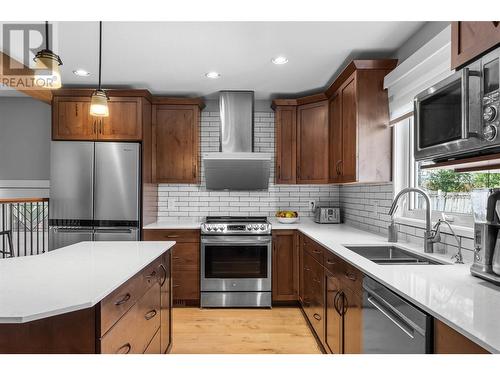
(236, 166)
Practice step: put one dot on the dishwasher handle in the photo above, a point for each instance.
(402, 325)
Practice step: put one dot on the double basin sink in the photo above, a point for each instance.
(391, 255)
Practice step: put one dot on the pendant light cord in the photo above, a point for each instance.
(100, 52)
(47, 35)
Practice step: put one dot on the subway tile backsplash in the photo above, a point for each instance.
(181, 200)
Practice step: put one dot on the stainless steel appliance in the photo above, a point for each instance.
(236, 262)
(327, 215)
(486, 209)
(391, 325)
(458, 117)
(237, 166)
(94, 192)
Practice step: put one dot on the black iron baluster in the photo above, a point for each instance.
(45, 205)
(18, 234)
(31, 228)
(37, 223)
(11, 208)
(3, 229)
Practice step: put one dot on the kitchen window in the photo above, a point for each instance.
(449, 191)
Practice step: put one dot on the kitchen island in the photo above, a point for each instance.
(90, 297)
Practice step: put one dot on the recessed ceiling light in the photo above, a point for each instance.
(81, 73)
(280, 60)
(213, 75)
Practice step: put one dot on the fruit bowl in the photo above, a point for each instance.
(287, 220)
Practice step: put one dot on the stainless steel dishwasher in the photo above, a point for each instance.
(392, 325)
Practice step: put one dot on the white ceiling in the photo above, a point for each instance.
(171, 58)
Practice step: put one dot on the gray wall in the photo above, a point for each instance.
(428, 31)
(24, 139)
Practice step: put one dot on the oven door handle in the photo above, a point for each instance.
(231, 241)
(465, 103)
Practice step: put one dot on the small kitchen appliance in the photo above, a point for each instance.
(486, 208)
(327, 215)
(236, 255)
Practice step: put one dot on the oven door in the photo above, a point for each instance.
(235, 263)
(447, 118)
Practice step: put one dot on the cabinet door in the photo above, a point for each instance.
(312, 143)
(186, 273)
(71, 119)
(352, 306)
(124, 122)
(469, 39)
(333, 331)
(317, 317)
(335, 147)
(300, 247)
(166, 304)
(349, 132)
(175, 143)
(286, 144)
(285, 259)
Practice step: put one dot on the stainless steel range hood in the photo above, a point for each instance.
(236, 166)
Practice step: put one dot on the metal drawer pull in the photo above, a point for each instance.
(328, 261)
(317, 251)
(125, 298)
(176, 258)
(151, 275)
(316, 280)
(172, 236)
(392, 317)
(316, 316)
(175, 286)
(306, 269)
(127, 347)
(350, 276)
(150, 314)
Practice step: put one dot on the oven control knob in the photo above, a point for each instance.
(262, 227)
(490, 132)
(490, 113)
(256, 227)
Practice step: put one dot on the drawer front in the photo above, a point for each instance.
(185, 284)
(154, 346)
(122, 299)
(332, 262)
(314, 249)
(186, 256)
(134, 331)
(351, 276)
(178, 235)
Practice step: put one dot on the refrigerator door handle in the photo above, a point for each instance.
(72, 230)
(114, 230)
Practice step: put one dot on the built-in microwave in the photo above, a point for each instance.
(458, 117)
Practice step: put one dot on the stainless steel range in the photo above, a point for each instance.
(236, 262)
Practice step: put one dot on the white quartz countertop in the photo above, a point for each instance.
(447, 292)
(70, 278)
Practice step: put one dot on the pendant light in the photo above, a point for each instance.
(47, 66)
(99, 99)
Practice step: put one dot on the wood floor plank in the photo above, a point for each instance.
(281, 330)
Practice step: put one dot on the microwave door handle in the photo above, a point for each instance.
(465, 103)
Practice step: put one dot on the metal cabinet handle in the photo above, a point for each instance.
(175, 285)
(150, 314)
(172, 236)
(350, 276)
(328, 261)
(76, 109)
(317, 316)
(392, 317)
(127, 347)
(316, 280)
(165, 273)
(306, 269)
(317, 251)
(338, 167)
(125, 298)
(336, 301)
(151, 275)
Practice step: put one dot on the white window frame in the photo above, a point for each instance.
(405, 175)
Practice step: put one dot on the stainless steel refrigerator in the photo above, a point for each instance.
(94, 192)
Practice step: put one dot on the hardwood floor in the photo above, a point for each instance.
(281, 330)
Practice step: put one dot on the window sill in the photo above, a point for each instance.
(459, 230)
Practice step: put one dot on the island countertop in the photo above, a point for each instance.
(70, 278)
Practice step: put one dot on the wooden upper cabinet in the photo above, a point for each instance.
(312, 143)
(286, 144)
(176, 143)
(469, 39)
(124, 121)
(285, 266)
(347, 165)
(335, 147)
(71, 119)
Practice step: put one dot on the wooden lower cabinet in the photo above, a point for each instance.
(314, 297)
(135, 318)
(449, 341)
(285, 266)
(333, 334)
(352, 321)
(185, 263)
